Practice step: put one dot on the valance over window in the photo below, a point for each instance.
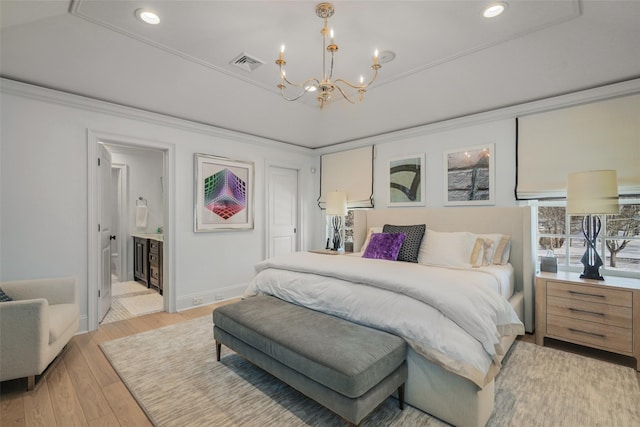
(594, 136)
(349, 171)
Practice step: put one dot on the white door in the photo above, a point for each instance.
(283, 211)
(104, 230)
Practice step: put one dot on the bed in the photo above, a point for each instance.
(458, 328)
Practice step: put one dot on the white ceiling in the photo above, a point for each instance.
(450, 61)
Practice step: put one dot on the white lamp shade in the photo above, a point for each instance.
(592, 192)
(336, 203)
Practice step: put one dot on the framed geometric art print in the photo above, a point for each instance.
(223, 194)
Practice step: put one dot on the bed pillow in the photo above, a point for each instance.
(4, 297)
(411, 246)
(459, 249)
(369, 233)
(497, 248)
(384, 246)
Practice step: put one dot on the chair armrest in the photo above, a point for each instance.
(62, 290)
(24, 328)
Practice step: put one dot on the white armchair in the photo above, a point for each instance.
(36, 325)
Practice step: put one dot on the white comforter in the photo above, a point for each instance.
(452, 317)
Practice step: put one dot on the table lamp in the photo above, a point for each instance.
(337, 208)
(592, 193)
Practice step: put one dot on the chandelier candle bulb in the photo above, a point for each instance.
(375, 57)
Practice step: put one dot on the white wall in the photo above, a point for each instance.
(44, 198)
(501, 132)
(496, 127)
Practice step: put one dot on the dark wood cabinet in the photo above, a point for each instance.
(147, 262)
(155, 264)
(141, 260)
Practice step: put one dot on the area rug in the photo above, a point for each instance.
(173, 374)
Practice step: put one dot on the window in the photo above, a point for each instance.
(618, 241)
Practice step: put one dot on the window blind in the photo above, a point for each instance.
(350, 171)
(599, 135)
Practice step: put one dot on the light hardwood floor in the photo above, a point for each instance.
(81, 388)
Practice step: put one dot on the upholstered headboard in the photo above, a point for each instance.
(514, 221)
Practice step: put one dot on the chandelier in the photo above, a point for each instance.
(326, 85)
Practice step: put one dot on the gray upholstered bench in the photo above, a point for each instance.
(348, 368)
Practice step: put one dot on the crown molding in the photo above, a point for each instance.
(628, 87)
(40, 93)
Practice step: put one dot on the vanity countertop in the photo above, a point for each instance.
(153, 236)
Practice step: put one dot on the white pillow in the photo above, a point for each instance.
(497, 248)
(451, 249)
(369, 233)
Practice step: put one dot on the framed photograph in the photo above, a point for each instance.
(407, 181)
(223, 194)
(470, 176)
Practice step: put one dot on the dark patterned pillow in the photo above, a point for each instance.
(384, 246)
(4, 297)
(411, 246)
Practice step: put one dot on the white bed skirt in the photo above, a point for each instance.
(450, 397)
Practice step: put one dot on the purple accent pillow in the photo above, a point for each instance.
(384, 246)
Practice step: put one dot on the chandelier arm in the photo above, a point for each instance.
(344, 95)
(375, 75)
(304, 84)
(304, 92)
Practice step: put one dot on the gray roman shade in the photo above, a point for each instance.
(599, 135)
(350, 171)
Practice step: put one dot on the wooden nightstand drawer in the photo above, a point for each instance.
(590, 293)
(591, 311)
(602, 336)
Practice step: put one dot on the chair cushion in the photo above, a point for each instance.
(343, 356)
(61, 317)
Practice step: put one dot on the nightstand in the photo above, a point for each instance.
(599, 314)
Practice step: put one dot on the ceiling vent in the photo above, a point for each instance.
(246, 62)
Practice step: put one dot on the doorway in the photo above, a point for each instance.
(141, 169)
(137, 221)
(283, 211)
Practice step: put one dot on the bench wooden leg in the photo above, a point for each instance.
(31, 382)
(401, 396)
(218, 349)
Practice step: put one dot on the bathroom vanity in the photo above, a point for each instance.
(147, 259)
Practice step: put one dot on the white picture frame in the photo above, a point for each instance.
(223, 198)
(406, 180)
(469, 176)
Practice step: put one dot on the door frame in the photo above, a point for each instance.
(123, 223)
(300, 237)
(93, 271)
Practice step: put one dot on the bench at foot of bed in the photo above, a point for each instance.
(348, 368)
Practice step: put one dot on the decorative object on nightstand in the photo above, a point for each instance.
(592, 193)
(549, 262)
(337, 209)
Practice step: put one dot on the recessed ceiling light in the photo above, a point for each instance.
(494, 9)
(147, 16)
